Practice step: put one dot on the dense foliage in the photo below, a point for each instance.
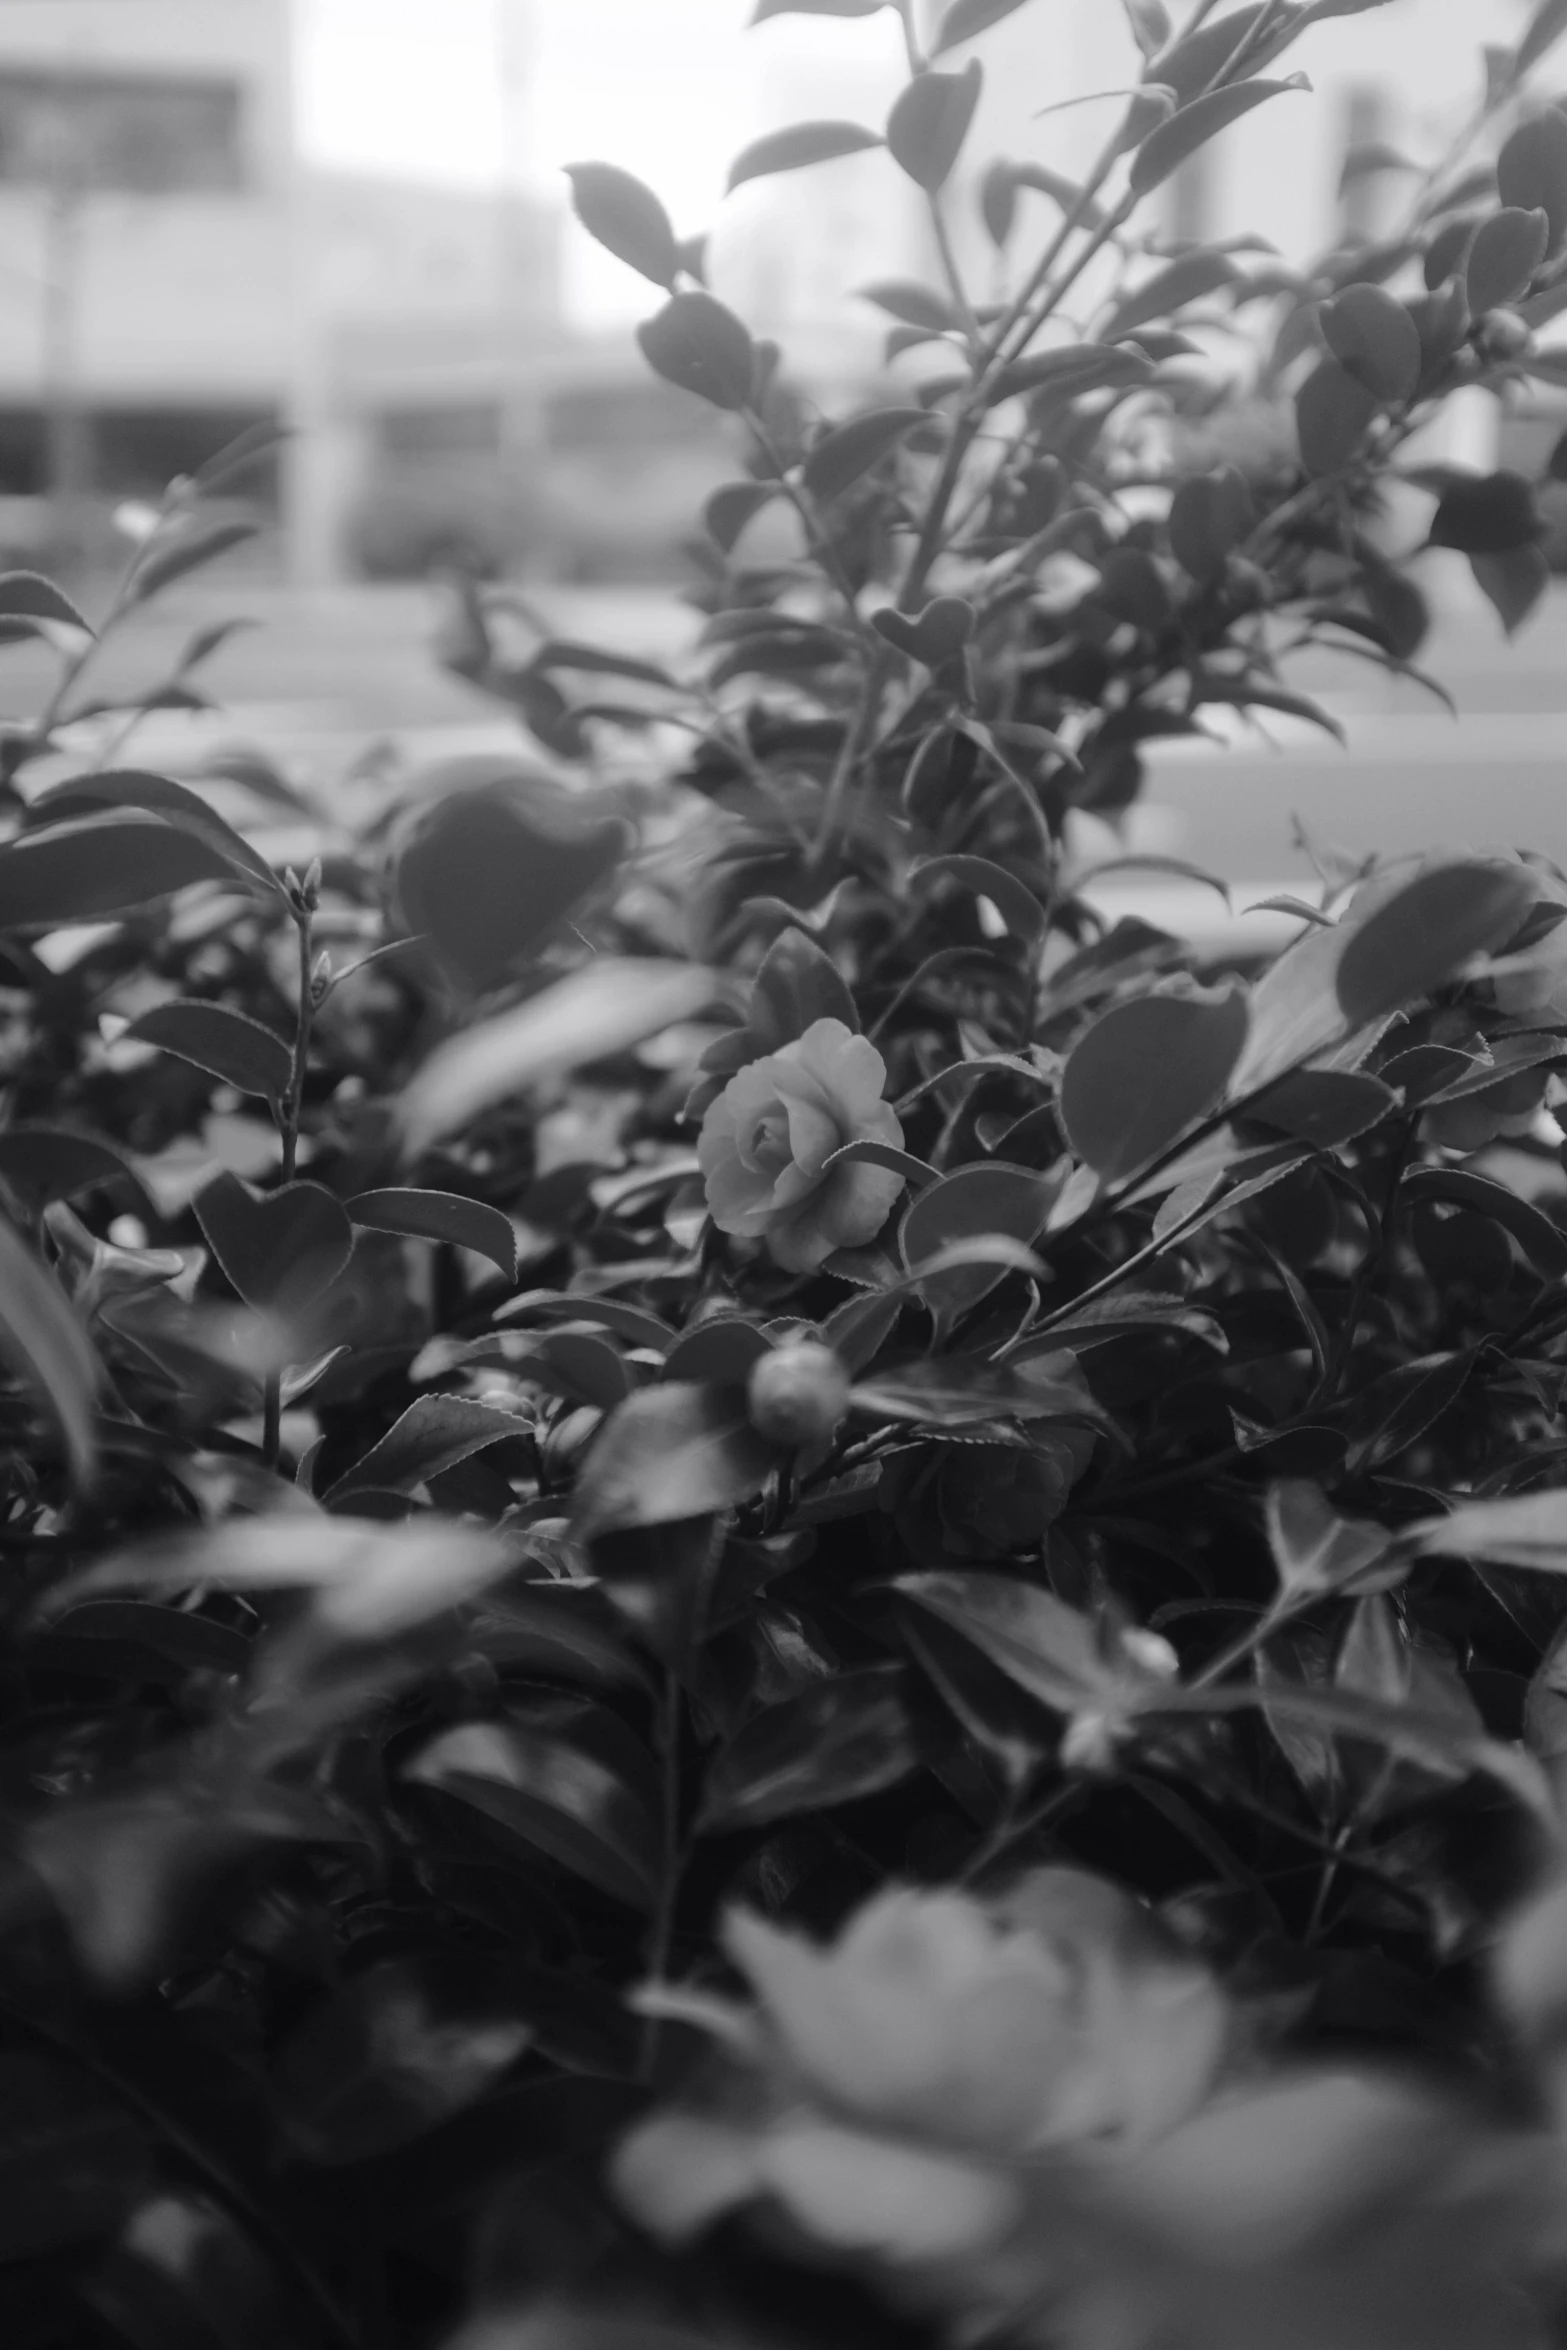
(755, 1592)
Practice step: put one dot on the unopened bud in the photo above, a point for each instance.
(797, 1394)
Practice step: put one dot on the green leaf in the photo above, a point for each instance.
(965, 18)
(608, 1006)
(914, 1171)
(1543, 1242)
(228, 1045)
(732, 505)
(1145, 1071)
(43, 1345)
(1372, 336)
(801, 144)
(1505, 252)
(916, 305)
(1325, 1107)
(696, 343)
(979, 1203)
(1531, 170)
(1013, 900)
(489, 873)
(850, 451)
(1150, 25)
(1486, 514)
(1191, 127)
(671, 1451)
(576, 1363)
(797, 985)
(598, 661)
(44, 1163)
(400, 2049)
(930, 121)
(1187, 279)
(1315, 1550)
(442, 1216)
(1189, 64)
(27, 595)
(1421, 937)
(128, 789)
(1514, 582)
(626, 218)
(567, 1802)
(1072, 370)
(105, 865)
(1544, 29)
(174, 554)
(280, 1250)
(935, 635)
(1047, 1648)
(1210, 514)
(431, 1436)
(1332, 413)
(836, 1741)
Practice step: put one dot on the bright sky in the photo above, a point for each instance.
(668, 88)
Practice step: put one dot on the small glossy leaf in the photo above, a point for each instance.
(1544, 29)
(1526, 1530)
(1372, 336)
(930, 121)
(1486, 514)
(882, 1154)
(1013, 900)
(721, 1352)
(698, 344)
(1332, 413)
(1422, 936)
(607, 1006)
(1145, 1071)
(280, 1250)
(966, 18)
(44, 1163)
(1514, 583)
(443, 1216)
(1190, 278)
(625, 217)
(835, 1741)
(43, 1344)
(915, 305)
(732, 506)
(976, 1203)
(491, 871)
(1325, 1107)
(671, 1451)
(175, 554)
(1197, 58)
(1506, 251)
(432, 1435)
(555, 1794)
(801, 144)
(576, 1363)
(797, 985)
(1315, 1550)
(1543, 1242)
(1072, 370)
(27, 595)
(851, 450)
(105, 865)
(1045, 1647)
(228, 1045)
(118, 790)
(1531, 170)
(635, 1324)
(1210, 514)
(1191, 127)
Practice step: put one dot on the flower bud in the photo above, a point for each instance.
(798, 1394)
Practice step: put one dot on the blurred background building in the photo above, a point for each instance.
(194, 236)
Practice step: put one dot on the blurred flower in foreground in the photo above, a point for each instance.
(1022, 2113)
(885, 2089)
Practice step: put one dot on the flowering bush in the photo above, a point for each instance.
(757, 1591)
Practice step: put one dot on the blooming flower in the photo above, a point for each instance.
(766, 1141)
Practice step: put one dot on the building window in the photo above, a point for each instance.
(132, 135)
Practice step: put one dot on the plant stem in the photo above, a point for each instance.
(303, 910)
